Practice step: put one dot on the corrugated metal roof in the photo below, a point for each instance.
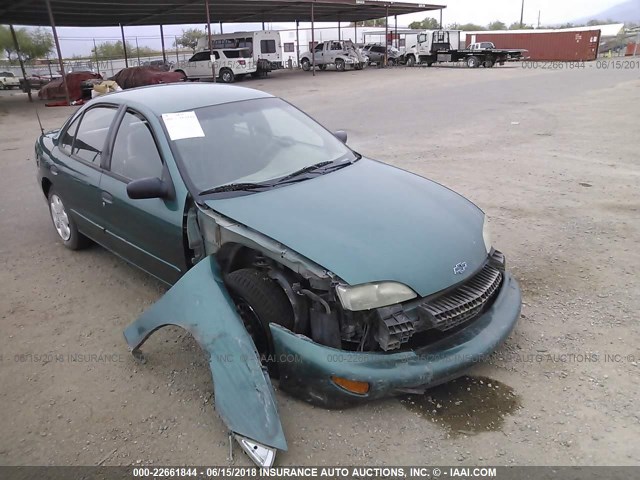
(609, 30)
(98, 13)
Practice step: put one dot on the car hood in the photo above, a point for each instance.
(370, 222)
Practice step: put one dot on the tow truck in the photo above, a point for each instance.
(438, 46)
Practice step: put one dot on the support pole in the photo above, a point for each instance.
(27, 85)
(262, 25)
(339, 30)
(313, 41)
(221, 31)
(386, 38)
(57, 42)
(396, 33)
(95, 51)
(124, 47)
(355, 32)
(522, 15)
(298, 43)
(440, 19)
(177, 57)
(164, 53)
(212, 57)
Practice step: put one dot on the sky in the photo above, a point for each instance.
(79, 40)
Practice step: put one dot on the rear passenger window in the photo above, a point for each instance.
(66, 140)
(135, 154)
(268, 46)
(92, 134)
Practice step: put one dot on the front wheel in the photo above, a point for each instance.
(64, 224)
(340, 66)
(227, 75)
(411, 61)
(306, 64)
(473, 62)
(260, 301)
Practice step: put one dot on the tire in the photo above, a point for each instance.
(323, 67)
(411, 61)
(488, 64)
(306, 65)
(260, 301)
(473, 62)
(391, 62)
(240, 77)
(227, 76)
(2, 86)
(64, 224)
(340, 66)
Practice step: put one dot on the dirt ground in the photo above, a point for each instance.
(550, 155)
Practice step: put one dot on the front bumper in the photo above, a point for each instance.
(306, 367)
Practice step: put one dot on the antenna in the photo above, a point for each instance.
(39, 122)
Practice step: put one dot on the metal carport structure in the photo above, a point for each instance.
(103, 13)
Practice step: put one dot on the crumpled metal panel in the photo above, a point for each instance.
(200, 303)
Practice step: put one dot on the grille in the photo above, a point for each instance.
(465, 302)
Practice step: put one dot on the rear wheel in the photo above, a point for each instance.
(227, 76)
(391, 62)
(323, 67)
(64, 224)
(488, 63)
(340, 66)
(260, 301)
(473, 62)
(306, 64)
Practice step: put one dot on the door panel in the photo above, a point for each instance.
(147, 232)
(76, 168)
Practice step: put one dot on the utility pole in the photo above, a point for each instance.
(138, 51)
(538, 18)
(95, 51)
(522, 15)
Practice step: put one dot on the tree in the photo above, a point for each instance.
(189, 39)
(427, 24)
(33, 44)
(519, 26)
(497, 25)
(471, 27)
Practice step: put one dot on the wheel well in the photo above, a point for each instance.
(233, 256)
(46, 186)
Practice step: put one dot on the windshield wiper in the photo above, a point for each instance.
(236, 187)
(322, 167)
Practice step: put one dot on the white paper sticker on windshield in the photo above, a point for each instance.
(182, 125)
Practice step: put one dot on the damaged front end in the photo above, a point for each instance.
(327, 342)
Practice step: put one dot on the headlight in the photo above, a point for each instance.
(486, 234)
(373, 295)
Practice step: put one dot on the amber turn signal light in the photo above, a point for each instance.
(352, 386)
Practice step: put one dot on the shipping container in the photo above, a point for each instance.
(633, 49)
(571, 46)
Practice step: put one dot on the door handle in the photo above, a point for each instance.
(54, 170)
(106, 198)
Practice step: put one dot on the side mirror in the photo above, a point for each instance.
(147, 188)
(341, 135)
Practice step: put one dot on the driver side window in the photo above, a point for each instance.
(135, 154)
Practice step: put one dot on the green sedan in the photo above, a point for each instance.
(290, 256)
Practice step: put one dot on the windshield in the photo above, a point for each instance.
(255, 141)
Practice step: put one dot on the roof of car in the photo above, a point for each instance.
(177, 97)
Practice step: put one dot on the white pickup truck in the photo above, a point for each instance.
(230, 63)
(341, 53)
(8, 80)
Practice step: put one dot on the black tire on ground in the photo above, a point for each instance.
(260, 301)
(340, 66)
(240, 77)
(306, 64)
(227, 75)
(323, 67)
(75, 240)
(473, 62)
(411, 61)
(488, 63)
(391, 62)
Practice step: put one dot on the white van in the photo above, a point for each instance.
(264, 45)
(230, 63)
